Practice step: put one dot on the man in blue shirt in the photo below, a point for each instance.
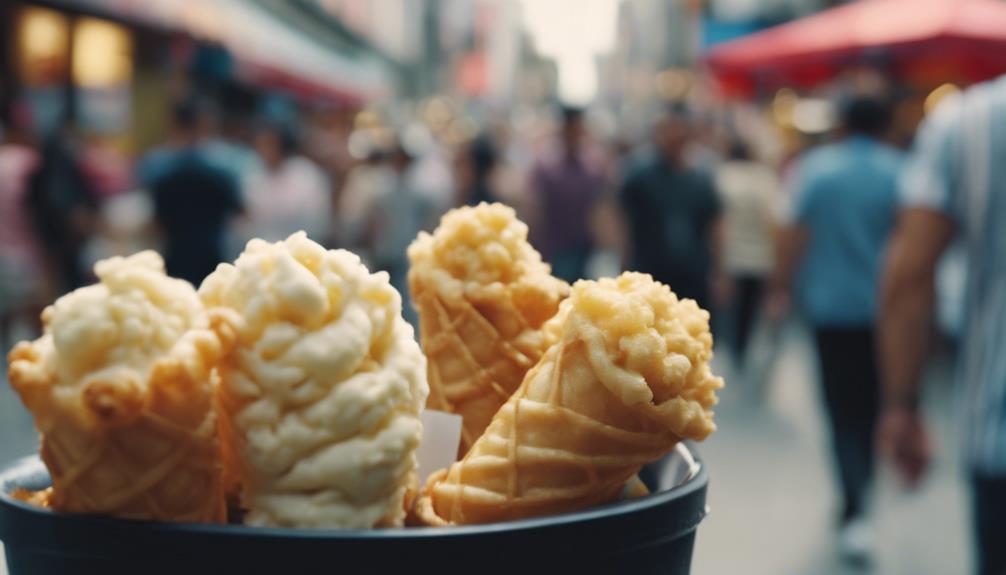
(843, 213)
(194, 199)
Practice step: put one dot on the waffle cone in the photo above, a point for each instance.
(472, 369)
(130, 450)
(483, 295)
(573, 434)
(547, 451)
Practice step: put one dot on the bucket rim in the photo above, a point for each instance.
(15, 474)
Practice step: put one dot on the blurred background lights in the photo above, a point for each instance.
(813, 115)
(44, 34)
(938, 95)
(783, 106)
(673, 84)
(101, 53)
(573, 32)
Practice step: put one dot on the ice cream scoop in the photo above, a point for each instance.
(120, 388)
(321, 392)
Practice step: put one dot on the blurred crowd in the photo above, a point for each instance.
(695, 205)
(214, 182)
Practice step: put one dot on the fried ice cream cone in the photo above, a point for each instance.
(119, 386)
(321, 393)
(483, 295)
(626, 379)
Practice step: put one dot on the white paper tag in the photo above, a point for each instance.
(439, 447)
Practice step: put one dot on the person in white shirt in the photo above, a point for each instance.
(291, 194)
(749, 189)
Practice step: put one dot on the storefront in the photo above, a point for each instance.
(97, 74)
(111, 68)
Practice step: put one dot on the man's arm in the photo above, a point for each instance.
(534, 202)
(234, 195)
(907, 298)
(790, 244)
(717, 241)
(626, 201)
(791, 236)
(722, 284)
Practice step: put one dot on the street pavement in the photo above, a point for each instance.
(771, 494)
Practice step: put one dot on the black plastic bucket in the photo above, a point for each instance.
(653, 534)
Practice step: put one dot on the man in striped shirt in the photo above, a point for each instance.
(955, 184)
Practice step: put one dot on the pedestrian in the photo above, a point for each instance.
(430, 173)
(843, 213)
(292, 193)
(194, 199)
(63, 206)
(673, 213)
(366, 182)
(749, 189)
(228, 143)
(22, 275)
(398, 216)
(566, 184)
(954, 186)
(476, 168)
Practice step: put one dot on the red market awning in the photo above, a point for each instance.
(924, 40)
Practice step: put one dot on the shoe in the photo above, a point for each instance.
(855, 541)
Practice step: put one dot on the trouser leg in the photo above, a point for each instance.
(850, 386)
(749, 291)
(989, 511)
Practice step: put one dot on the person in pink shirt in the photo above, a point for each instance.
(567, 184)
(22, 274)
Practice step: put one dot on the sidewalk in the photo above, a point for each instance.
(771, 494)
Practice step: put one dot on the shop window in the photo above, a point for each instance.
(42, 46)
(103, 73)
(102, 54)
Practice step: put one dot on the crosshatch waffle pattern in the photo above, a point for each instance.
(568, 438)
(154, 456)
(472, 368)
(483, 294)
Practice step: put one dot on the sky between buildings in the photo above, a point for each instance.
(573, 32)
